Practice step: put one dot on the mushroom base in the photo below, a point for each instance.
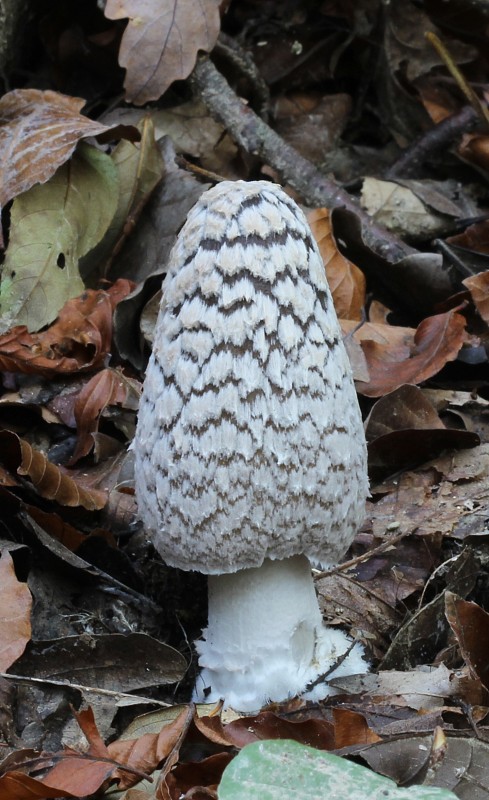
(265, 640)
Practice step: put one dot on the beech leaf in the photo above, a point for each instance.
(346, 281)
(273, 770)
(39, 131)
(437, 339)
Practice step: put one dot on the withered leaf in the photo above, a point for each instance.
(48, 479)
(51, 227)
(78, 340)
(478, 286)
(108, 387)
(470, 624)
(15, 614)
(161, 42)
(346, 281)
(150, 749)
(437, 340)
(39, 132)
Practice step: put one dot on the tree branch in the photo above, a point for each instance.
(257, 138)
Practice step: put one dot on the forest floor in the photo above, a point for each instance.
(373, 116)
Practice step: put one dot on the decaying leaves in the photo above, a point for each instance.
(438, 339)
(52, 226)
(80, 339)
(39, 132)
(48, 479)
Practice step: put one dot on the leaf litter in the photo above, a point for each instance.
(94, 630)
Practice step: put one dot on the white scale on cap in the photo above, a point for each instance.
(250, 450)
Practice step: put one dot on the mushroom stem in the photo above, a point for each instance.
(265, 639)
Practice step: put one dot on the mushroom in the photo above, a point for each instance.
(250, 450)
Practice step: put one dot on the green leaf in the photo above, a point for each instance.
(52, 226)
(274, 770)
(140, 168)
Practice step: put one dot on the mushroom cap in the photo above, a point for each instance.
(249, 443)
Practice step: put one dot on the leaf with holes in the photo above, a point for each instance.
(52, 226)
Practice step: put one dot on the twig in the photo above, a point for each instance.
(84, 689)
(230, 49)
(457, 75)
(257, 138)
(436, 140)
(359, 559)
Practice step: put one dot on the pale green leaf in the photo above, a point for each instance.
(139, 167)
(274, 770)
(52, 226)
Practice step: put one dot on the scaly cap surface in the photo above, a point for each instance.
(250, 443)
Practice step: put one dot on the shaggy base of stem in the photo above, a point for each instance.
(265, 641)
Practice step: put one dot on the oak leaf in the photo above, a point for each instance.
(161, 42)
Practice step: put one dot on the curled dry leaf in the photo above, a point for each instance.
(15, 614)
(436, 341)
(39, 132)
(346, 281)
(79, 340)
(108, 387)
(48, 479)
(161, 42)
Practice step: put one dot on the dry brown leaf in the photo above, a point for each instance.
(161, 42)
(475, 237)
(48, 479)
(39, 132)
(438, 339)
(475, 148)
(80, 339)
(149, 750)
(470, 624)
(351, 728)
(478, 286)
(15, 614)
(108, 387)
(17, 786)
(346, 281)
